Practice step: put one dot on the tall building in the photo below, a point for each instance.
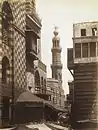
(55, 83)
(84, 62)
(36, 69)
(56, 57)
(12, 56)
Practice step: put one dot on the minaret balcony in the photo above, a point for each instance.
(56, 49)
(59, 66)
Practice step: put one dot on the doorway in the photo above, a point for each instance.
(5, 114)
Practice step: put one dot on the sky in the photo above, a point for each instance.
(63, 14)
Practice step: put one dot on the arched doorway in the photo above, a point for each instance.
(45, 86)
(5, 71)
(42, 84)
(37, 81)
(5, 114)
(7, 19)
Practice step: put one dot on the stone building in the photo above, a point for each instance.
(53, 90)
(21, 68)
(36, 69)
(20, 46)
(12, 56)
(83, 60)
(55, 83)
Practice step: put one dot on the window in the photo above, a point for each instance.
(34, 44)
(83, 32)
(92, 49)
(85, 49)
(5, 70)
(77, 50)
(54, 43)
(94, 31)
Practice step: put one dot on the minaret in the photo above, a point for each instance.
(56, 57)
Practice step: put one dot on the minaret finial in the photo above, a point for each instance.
(55, 31)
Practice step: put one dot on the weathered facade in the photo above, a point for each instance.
(36, 69)
(55, 82)
(12, 56)
(53, 90)
(84, 62)
(21, 68)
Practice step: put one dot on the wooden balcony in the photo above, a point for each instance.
(31, 45)
(42, 93)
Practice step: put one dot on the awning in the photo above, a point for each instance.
(28, 97)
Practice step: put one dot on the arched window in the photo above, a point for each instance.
(7, 18)
(37, 80)
(57, 43)
(54, 44)
(42, 84)
(45, 86)
(5, 70)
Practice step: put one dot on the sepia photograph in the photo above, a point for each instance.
(48, 65)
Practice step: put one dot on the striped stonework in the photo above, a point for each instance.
(15, 49)
(12, 53)
(19, 24)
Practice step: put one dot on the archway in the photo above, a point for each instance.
(5, 113)
(44, 85)
(5, 71)
(7, 19)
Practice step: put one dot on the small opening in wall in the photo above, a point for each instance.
(83, 32)
(94, 31)
(29, 87)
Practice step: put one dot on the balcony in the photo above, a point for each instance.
(31, 45)
(85, 39)
(33, 25)
(70, 61)
(42, 93)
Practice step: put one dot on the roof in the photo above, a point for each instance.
(28, 97)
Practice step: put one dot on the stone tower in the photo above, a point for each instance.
(56, 57)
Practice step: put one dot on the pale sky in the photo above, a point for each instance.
(63, 13)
